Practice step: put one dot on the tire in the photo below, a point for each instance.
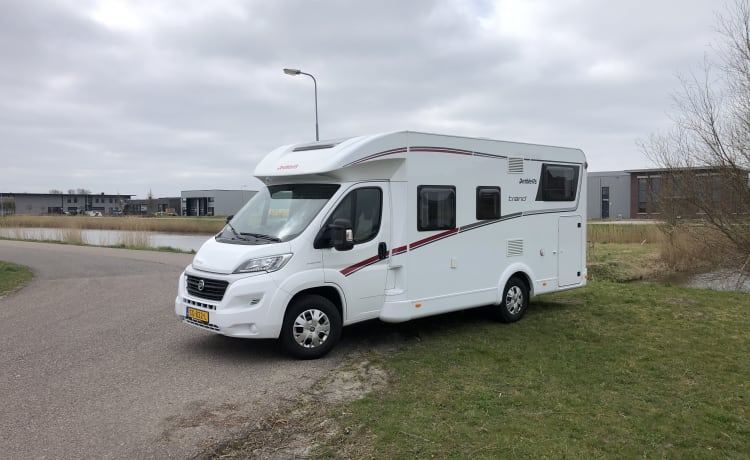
(311, 328)
(514, 302)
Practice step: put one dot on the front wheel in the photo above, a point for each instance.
(514, 302)
(311, 328)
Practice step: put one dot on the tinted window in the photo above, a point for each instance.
(558, 183)
(361, 207)
(488, 203)
(436, 207)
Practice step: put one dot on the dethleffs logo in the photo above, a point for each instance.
(527, 181)
(285, 167)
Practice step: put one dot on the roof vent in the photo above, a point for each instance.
(304, 148)
(515, 165)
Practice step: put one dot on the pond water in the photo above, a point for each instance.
(719, 280)
(184, 242)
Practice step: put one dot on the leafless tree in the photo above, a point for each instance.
(706, 154)
(151, 203)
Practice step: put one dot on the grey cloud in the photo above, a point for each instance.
(194, 100)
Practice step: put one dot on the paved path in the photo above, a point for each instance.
(94, 363)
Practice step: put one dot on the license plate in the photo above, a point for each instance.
(197, 315)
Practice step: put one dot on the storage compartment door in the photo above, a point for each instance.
(569, 259)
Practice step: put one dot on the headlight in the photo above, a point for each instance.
(264, 264)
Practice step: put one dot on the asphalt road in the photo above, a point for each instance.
(94, 363)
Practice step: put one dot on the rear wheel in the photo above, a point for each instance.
(515, 301)
(312, 326)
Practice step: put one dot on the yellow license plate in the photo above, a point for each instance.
(198, 315)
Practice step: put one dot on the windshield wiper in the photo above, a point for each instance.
(263, 237)
(239, 237)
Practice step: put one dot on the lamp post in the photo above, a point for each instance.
(295, 72)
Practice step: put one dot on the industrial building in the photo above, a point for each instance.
(214, 202)
(190, 203)
(608, 195)
(62, 203)
(169, 206)
(659, 193)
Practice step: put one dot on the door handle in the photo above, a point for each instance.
(382, 251)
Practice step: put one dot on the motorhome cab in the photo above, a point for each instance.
(393, 226)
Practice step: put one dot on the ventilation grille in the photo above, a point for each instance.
(515, 165)
(209, 327)
(207, 306)
(515, 248)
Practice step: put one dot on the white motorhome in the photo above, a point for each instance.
(393, 226)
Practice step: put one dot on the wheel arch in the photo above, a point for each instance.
(518, 270)
(328, 292)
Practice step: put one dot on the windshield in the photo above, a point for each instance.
(277, 213)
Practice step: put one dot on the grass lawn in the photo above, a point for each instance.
(624, 262)
(12, 277)
(612, 370)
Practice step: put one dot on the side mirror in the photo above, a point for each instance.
(229, 217)
(338, 235)
(342, 236)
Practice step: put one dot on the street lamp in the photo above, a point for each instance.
(295, 72)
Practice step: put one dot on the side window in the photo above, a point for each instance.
(362, 207)
(436, 207)
(488, 203)
(558, 183)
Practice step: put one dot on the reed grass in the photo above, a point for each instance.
(686, 247)
(204, 225)
(71, 236)
(135, 239)
(122, 239)
(625, 233)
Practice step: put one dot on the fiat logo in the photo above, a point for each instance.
(201, 285)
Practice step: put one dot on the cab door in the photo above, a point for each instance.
(361, 271)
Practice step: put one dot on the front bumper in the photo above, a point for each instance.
(246, 309)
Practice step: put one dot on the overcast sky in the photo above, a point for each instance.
(131, 96)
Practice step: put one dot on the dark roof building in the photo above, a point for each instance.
(62, 203)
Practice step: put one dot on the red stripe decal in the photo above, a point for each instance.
(378, 155)
(402, 249)
(433, 238)
(438, 150)
(359, 265)
(399, 250)
(411, 149)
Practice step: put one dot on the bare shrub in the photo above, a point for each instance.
(695, 247)
(706, 155)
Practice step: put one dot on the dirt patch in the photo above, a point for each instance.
(296, 427)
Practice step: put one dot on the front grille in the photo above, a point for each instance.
(212, 289)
